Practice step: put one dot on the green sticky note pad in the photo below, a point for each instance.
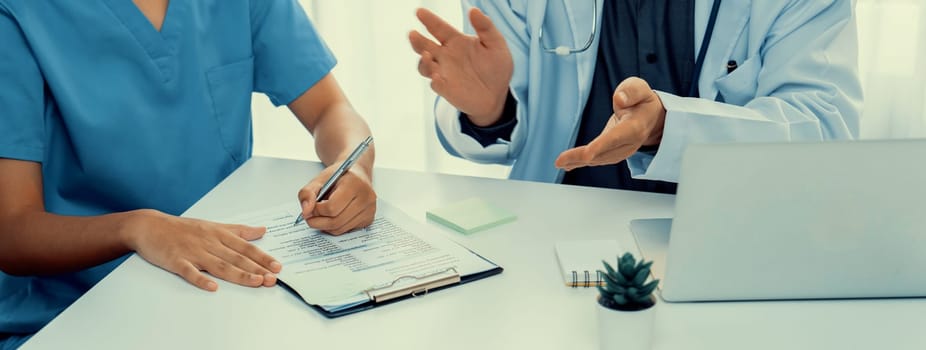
(471, 215)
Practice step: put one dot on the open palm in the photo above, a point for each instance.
(472, 72)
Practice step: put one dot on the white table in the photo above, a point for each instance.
(139, 306)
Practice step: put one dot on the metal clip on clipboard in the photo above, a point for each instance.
(422, 284)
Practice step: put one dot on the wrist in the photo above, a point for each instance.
(654, 136)
(657, 126)
(133, 224)
(364, 165)
(493, 114)
(363, 172)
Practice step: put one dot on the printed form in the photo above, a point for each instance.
(336, 272)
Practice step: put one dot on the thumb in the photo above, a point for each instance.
(485, 30)
(631, 92)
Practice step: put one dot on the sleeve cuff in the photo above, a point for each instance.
(501, 130)
(450, 133)
(663, 165)
(20, 152)
(309, 77)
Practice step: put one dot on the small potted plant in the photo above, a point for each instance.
(625, 315)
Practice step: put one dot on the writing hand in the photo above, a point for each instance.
(351, 203)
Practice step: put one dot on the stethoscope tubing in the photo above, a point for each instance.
(563, 50)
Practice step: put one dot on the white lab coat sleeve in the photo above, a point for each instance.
(509, 18)
(806, 89)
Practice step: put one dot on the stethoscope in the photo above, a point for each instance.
(564, 50)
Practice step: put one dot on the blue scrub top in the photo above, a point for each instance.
(124, 117)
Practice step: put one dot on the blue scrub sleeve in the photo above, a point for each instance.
(289, 55)
(22, 95)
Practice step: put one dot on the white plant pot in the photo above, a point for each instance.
(625, 330)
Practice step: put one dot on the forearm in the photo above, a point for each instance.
(338, 129)
(338, 132)
(40, 243)
(35, 242)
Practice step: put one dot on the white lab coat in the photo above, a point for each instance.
(797, 81)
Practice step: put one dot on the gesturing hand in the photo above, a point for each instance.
(351, 203)
(470, 72)
(188, 246)
(638, 120)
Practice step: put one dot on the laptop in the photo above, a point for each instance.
(793, 221)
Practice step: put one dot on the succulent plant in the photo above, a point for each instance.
(625, 288)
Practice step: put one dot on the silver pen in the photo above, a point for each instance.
(345, 166)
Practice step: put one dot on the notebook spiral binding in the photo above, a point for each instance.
(586, 282)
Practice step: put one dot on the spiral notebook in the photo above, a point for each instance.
(579, 261)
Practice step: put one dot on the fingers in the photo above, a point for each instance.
(485, 30)
(352, 197)
(235, 260)
(610, 153)
(238, 261)
(421, 44)
(245, 264)
(253, 274)
(335, 204)
(438, 84)
(440, 29)
(192, 275)
(362, 219)
(249, 233)
(265, 262)
(332, 214)
(348, 221)
(616, 143)
(225, 270)
(574, 158)
(631, 92)
(427, 66)
(586, 156)
(307, 198)
(187, 247)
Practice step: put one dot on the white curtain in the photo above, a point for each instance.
(377, 70)
(892, 50)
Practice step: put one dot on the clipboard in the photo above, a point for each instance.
(396, 258)
(388, 294)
